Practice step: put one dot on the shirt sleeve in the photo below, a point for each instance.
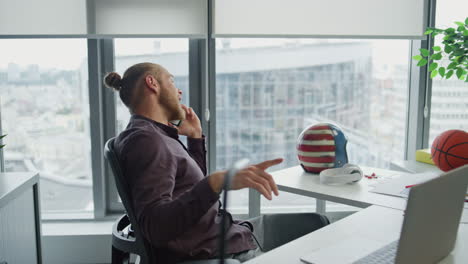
(151, 171)
(197, 150)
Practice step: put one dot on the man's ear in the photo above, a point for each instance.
(152, 83)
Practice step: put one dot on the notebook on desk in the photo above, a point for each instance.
(429, 228)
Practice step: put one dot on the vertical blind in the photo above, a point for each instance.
(153, 17)
(231, 18)
(103, 17)
(321, 18)
(44, 17)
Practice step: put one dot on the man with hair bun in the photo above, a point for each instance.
(176, 203)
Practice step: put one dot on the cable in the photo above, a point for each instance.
(258, 244)
(238, 165)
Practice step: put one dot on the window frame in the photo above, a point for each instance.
(101, 103)
(2, 162)
(419, 103)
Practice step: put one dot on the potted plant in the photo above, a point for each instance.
(455, 41)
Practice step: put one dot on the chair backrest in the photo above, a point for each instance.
(124, 191)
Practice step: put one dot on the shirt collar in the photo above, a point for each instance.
(170, 131)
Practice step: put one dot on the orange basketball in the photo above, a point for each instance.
(450, 150)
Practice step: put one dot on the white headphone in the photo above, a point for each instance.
(349, 173)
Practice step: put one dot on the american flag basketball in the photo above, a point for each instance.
(320, 147)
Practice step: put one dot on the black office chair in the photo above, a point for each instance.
(274, 230)
(126, 235)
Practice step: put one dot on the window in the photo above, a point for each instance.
(172, 54)
(272, 89)
(45, 112)
(449, 97)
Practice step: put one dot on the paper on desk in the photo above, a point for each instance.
(396, 186)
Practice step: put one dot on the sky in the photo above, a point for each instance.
(48, 53)
(70, 53)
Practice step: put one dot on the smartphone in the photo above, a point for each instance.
(176, 122)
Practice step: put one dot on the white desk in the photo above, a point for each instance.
(295, 180)
(381, 220)
(380, 224)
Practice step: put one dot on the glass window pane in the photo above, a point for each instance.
(45, 112)
(449, 97)
(269, 90)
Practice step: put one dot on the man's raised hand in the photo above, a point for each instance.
(253, 176)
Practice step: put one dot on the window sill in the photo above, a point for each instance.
(412, 166)
(66, 216)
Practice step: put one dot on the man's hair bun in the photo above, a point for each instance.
(113, 80)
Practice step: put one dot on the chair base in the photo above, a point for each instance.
(120, 257)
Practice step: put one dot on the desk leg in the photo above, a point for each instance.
(321, 206)
(254, 203)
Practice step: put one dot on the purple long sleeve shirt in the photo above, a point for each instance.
(175, 207)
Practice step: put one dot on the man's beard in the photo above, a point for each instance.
(172, 106)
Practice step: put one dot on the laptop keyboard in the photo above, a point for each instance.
(381, 256)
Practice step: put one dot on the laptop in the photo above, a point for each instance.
(430, 223)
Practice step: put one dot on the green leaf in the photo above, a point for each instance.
(461, 24)
(449, 38)
(448, 49)
(436, 56)
(433, 66)
(2, 136)
(461, 28)
(436, 48)
(442, 71)
(452, 65)
(1, 146)
(417, 57)
(450, 31)
(466, 21)
(466, 79)
(459, 73)
(429, 31)
(459, 52)
(424, 52)
(434, 73)
(449, 74)
(422, 62)
(465, 32)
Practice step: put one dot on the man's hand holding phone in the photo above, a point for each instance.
(191, 126)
